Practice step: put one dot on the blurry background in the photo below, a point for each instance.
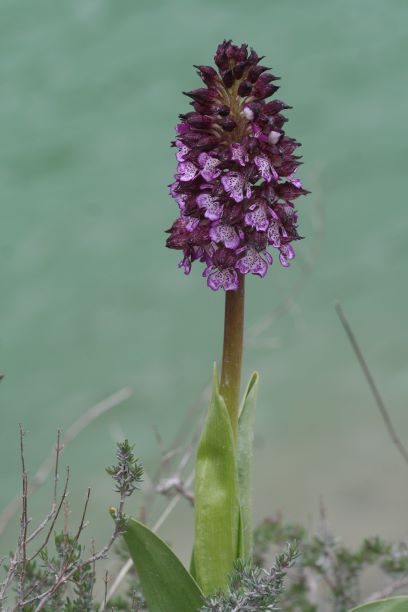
(91, 301)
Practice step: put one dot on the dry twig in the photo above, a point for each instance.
(68, 566)
(371, 383)
(388, 590)
(76, 428)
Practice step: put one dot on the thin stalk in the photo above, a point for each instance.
(232, 351)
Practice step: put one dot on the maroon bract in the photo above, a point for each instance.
(235, 181)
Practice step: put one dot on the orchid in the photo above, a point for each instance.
(236, 170)
(235, 187)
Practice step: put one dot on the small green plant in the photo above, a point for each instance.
(326, 570)
(254, 589)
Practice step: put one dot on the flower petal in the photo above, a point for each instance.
(286, 254)
(233, 183)
(296, 182)
(257, 218)
(238, 153)
(182, 128)
(226, 234)
(227, 279)
(274, 237)
(266, 170)
(185, 263)
(181, 201)
(209, 166)
(274, 137)
(213, 209)
(191, 223)
(186, 171)
(252, 262)
(181, 154)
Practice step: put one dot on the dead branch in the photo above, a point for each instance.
(50, 515)
(22, 544)
(389, 590)
(371, 383)
(54, 518)
(76, 428)
(105, 589)
(174, 484)
(18, 561)
(69, 565)
(82, 524)
(67, 572)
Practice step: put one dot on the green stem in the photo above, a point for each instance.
(232, 351)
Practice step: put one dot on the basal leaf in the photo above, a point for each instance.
(166, 584)
(393, 604)
(241, 554)
(216, 499)
(246, 425)
(192, 565)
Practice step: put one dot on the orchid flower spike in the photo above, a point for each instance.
(235, 182)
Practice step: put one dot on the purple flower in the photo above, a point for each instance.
(186, 171)
(191, 223)
(238, 153)
(257, 218)
(225, 234)
(213, 209)
(274, 237)
(235, 181)
(209, 166)
(286, 254)
(253, 262)
(184, 150)
(225, 279)
(266, 170)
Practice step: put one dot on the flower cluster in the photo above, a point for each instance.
(235, 181)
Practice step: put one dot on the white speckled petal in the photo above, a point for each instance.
(233, 183)
(186, 171)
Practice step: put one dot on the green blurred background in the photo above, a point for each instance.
(91, 301)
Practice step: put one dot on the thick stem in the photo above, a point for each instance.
(232, 351)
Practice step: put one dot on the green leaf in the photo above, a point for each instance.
(192, 565)
(246, 426)
(240, 546)
(166, 584)
(393, 604)
(216, 499)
